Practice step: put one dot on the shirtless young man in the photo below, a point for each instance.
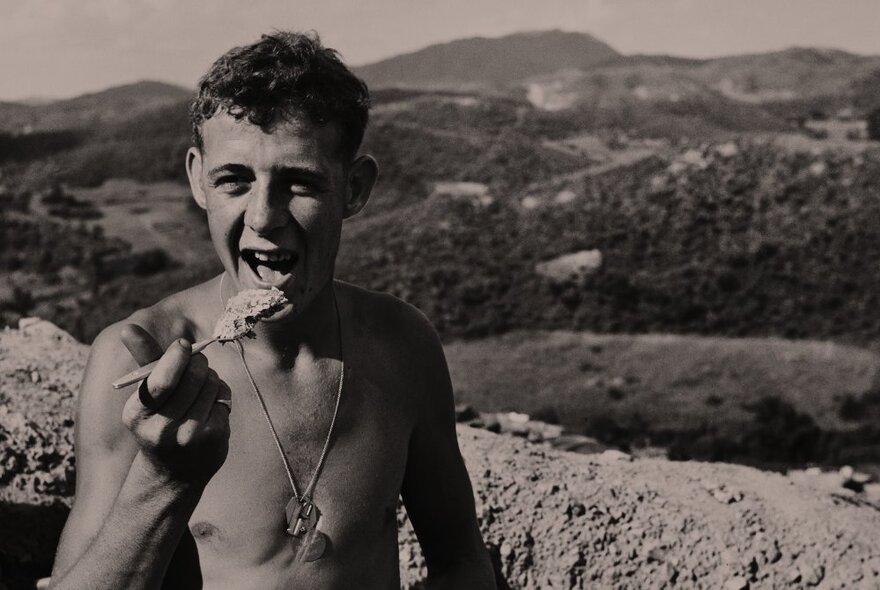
(175, 490)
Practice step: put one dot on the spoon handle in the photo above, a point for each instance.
(144, 372)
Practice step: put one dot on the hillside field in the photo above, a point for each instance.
(768, 402)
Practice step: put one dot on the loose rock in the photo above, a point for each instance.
(737, 583)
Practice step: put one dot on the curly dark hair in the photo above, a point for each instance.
(285, 74)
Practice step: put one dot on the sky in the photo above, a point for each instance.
(62, 48)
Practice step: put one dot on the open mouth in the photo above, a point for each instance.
(272, 268)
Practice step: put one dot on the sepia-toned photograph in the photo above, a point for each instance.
(468, 295)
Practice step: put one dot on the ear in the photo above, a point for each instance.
(194, 173)
(361, 178)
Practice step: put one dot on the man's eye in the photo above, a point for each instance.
(231, 184)
(302, 189)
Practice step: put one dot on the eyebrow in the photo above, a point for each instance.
(227, 168)
(309, 174)
(312, 175)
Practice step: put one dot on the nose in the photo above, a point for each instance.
(265, 210)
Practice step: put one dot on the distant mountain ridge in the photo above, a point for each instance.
(499, 60)
(552, 69)
(134, 94)
(106, 106)
(563, 68)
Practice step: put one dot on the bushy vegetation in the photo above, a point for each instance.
(762, 243)
(65, 206)
(490, 140)
(147, 147)
(874, 124)
(682, 120)
(44, 246)
(55, 269)
(123, 294)
(146, 160)
(26, 147)
(778, 435)
(471, 115)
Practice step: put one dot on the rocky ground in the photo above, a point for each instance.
(551, 519)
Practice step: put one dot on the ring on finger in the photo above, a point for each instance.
(145, 397)
(226, 403)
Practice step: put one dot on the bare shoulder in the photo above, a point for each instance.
(400, 342)
(389, 322)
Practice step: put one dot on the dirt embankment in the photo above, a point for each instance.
(550, 519)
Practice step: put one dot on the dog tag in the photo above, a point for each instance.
(291, 513)
(302, 516)
(317, 546)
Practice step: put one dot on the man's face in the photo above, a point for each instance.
(275, 200)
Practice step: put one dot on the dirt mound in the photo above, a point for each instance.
(560, 520)
(40, 370)
(550, 519)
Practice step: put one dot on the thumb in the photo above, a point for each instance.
(142, 346)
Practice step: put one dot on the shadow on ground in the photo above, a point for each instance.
(27, 543)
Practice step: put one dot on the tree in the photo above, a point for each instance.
(874, 124)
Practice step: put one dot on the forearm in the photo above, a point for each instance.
(139, 536)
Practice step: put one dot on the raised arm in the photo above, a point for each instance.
(436, 488)
(142, 463)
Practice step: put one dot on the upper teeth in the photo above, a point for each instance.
(272, 256)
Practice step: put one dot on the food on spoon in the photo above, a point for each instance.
(245, 309)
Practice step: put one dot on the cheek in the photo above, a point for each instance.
(223, 220)
(317, 219)
(322, 229)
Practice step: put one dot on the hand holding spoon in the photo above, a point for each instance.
(242, 313)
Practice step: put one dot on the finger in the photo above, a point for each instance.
(142, 346)
(188, 388)
(219, 416)
(224, 397)
(195, 418)
(222, 406)
(201, 407)
(165, 377)
(225, 393)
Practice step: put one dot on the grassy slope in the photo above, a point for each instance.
(701, 396)
(673, 378)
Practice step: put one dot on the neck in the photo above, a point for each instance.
(312, 331)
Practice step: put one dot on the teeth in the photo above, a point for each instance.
(272, 256)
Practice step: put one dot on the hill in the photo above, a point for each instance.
(795, 73)
(549, 519)
(826, 80)
(734, 239)
(759, 401)
(494, 61)
(88, 110)
(558, 70)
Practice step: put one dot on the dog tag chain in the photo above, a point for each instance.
(301, 514)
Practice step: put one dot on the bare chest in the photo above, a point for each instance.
(240, 521)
